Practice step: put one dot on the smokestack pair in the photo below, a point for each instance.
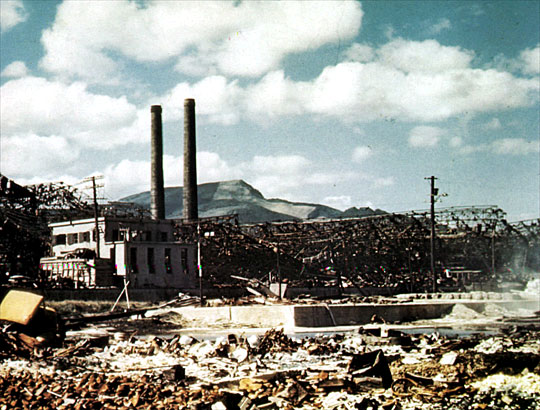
(157, 190)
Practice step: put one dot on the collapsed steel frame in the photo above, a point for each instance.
(391, 250)
(26, 211)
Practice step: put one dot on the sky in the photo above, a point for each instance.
(342, 103)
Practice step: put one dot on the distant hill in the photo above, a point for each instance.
(238, 197)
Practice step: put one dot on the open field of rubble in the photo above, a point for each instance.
(164, 361)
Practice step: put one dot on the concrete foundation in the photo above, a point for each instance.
(323, 315)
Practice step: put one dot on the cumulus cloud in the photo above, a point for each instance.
(361, 153)
(494, 124)
(405, 80)
(284, 176)
(69, 111)
(455, 142)
(217, 100)
(233, 38)
(341, 202)
(12, 12)
(402, 80)
(383, 182)
(15, 69)
(44, 156)
(423, 56)
(360, 52)
(515, 146)
(425, 136)
(529, 60)
(504, 146)
(442, 24)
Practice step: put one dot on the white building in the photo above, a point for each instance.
(141, 251)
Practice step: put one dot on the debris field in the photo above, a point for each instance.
(370, 367)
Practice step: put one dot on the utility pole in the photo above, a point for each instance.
(278, 270)
(96, 206)
(433, 194)
(199, 266)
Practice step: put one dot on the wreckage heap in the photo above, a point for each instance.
(370, 367)
(391, 250)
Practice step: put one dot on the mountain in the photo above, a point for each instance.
(238, 197)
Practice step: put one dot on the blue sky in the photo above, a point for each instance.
(337, 102)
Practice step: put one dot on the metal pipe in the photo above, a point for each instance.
(157, 190)
(190, 212)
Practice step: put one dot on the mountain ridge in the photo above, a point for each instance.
(238, 197)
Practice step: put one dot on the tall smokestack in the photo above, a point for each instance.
(157, 190)
(191, 212)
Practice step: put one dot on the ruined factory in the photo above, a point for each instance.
(51, 236)
(217, 310)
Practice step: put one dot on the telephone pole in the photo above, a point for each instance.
(96, 206)
(433, 194)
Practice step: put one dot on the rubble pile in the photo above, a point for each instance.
(376, 368)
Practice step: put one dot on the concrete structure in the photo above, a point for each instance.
(328, 316)
(142, 252)
(190, 199)
(157, 189)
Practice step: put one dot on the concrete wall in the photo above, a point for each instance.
(260, 316)
(343, 315)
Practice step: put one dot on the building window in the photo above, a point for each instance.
(59, 239)
(183, 259)
(151, 261)
(164, 236)
(118, 235)
(72, 238)
(147, 236)
(84, 237)
(167, 260)
(133, 260)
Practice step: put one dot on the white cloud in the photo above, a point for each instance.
(406, 81)
(442, 24)
(341, 202)
(32, 105)
(234, 38)
(360, 52)
(284, 176)
(529, 60)
(423, 56)
(28, 155)
(504, 146)
(216, 99)
(455, 142)
(279, 165)
(15, 69)
(12, 12)
(515, 146)
(494, 124)
(425, 136)
(383, 182)
(211, 167)
(127, 177)
(361, 153)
